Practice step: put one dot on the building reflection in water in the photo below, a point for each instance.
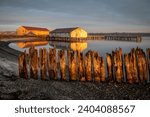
(29, 44)
(75, 46)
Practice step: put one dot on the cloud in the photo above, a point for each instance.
(94, 15)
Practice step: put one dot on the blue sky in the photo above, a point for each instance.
(92, 15)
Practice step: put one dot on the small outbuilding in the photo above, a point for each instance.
(27, 30)
(75, 32)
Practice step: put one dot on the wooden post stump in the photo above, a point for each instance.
(133, 63)
(33, 63)
(144, 65)
(62, 64)
(72, 65)
(52, 64)
(88, 66)
(81, 67)
(102, 70)
(128, 68)
(43, 63)
(142, 68)
(148, 59)
(23, 65)
(109, 66)
(114, 64)
(121, 63)
(118, 69)
(31, 50)
(96, 62)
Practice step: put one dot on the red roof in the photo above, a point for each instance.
(63, 30)
(35, 28)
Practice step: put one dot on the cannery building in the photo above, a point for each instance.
(27, 30)
(75, 32)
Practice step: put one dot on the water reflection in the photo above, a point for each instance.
(75, 46)
(102, 46)
(29, 44)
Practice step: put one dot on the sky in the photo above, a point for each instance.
(93, 15)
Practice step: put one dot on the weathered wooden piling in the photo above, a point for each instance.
(144, 65)
(88, 66)
(43, 63)
(142, 68)
(121, 63)
(109, 66)
(148, 59)
(81, 67)
(117, 65)
(33, 63)
(128, 68)
(133, 66)
(52, 64)
(139, 61)
(72, 65)
(114, 63)
(31, 50)
(23, 73)
(120, 66)
(62, 64)
(96, 62)
(102, 70)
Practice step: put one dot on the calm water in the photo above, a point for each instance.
(101, 46)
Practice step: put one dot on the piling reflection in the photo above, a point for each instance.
(75, 46)
(30, 44)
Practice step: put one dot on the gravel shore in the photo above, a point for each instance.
(52, 90)
(13, 87)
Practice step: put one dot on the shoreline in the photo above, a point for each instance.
(13, 87)
(8, 60)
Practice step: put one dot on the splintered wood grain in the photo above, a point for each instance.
(23, 73)
(62, 64)
(52, 64)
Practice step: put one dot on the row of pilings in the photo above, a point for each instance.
(133, 67)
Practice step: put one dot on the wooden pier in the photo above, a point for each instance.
(95, 36)
(134, 38)
(66, 39)
(91, 36)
